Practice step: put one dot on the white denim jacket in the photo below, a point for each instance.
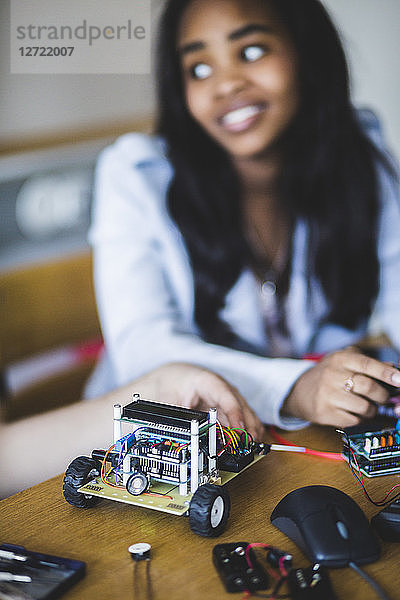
(144, 286)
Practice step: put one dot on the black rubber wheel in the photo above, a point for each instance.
(79, 472)
(209, 510)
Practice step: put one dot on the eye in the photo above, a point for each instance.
(252, 53)
(200, 71)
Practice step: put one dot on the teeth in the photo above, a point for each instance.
(241, 114)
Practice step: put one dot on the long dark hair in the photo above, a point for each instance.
(328, 176)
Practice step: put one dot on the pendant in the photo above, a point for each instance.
(268, 288)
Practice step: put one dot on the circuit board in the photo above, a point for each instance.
(376, 452)
(161, 496)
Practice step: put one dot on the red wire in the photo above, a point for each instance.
(282, 566)
(281, 440)
(158, 495)
(382, 502)
(255, 545)
(330, 455)
(390, 491)
(273, 573)
(247, 594)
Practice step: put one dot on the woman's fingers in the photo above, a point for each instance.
(251, 422)
(356, 362)
(342, 389)
(357, 405)
(364, 386)
(232, 407)
(358, 378)
(195, 387)
(345, 419)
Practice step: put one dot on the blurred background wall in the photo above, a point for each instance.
(371, 35)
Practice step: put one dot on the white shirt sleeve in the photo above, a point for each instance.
(387, 309)
(144, 288)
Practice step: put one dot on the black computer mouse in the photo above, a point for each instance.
(327, 525)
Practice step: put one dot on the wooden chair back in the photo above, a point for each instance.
(48, 310)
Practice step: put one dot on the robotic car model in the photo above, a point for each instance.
(172, 459)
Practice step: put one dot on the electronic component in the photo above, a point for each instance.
(137, 483)
(164, 446)
(176, 445)
(235, 462)
(276, 558)
(311, 583)
(377, 452)
(140, 551)
(126, 442)
(231, 563)
(260, 447)
(141, 580)
(166, 458)
(387, 522)
(163, 414)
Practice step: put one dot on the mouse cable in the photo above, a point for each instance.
(369, 580)
(359, 477)
(288, 446)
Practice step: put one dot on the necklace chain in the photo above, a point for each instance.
(271, 274)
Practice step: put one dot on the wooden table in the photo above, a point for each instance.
(181, 567)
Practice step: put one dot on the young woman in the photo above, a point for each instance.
(261, 225)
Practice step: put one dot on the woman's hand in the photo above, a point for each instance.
(341, 389)
(195, 387)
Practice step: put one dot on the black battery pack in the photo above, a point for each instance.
(311, 583)
(236, 574)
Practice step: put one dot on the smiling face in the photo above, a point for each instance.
(239, 73)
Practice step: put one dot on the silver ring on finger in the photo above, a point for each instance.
(349, 384)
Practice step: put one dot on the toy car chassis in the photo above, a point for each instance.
(173, 459)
